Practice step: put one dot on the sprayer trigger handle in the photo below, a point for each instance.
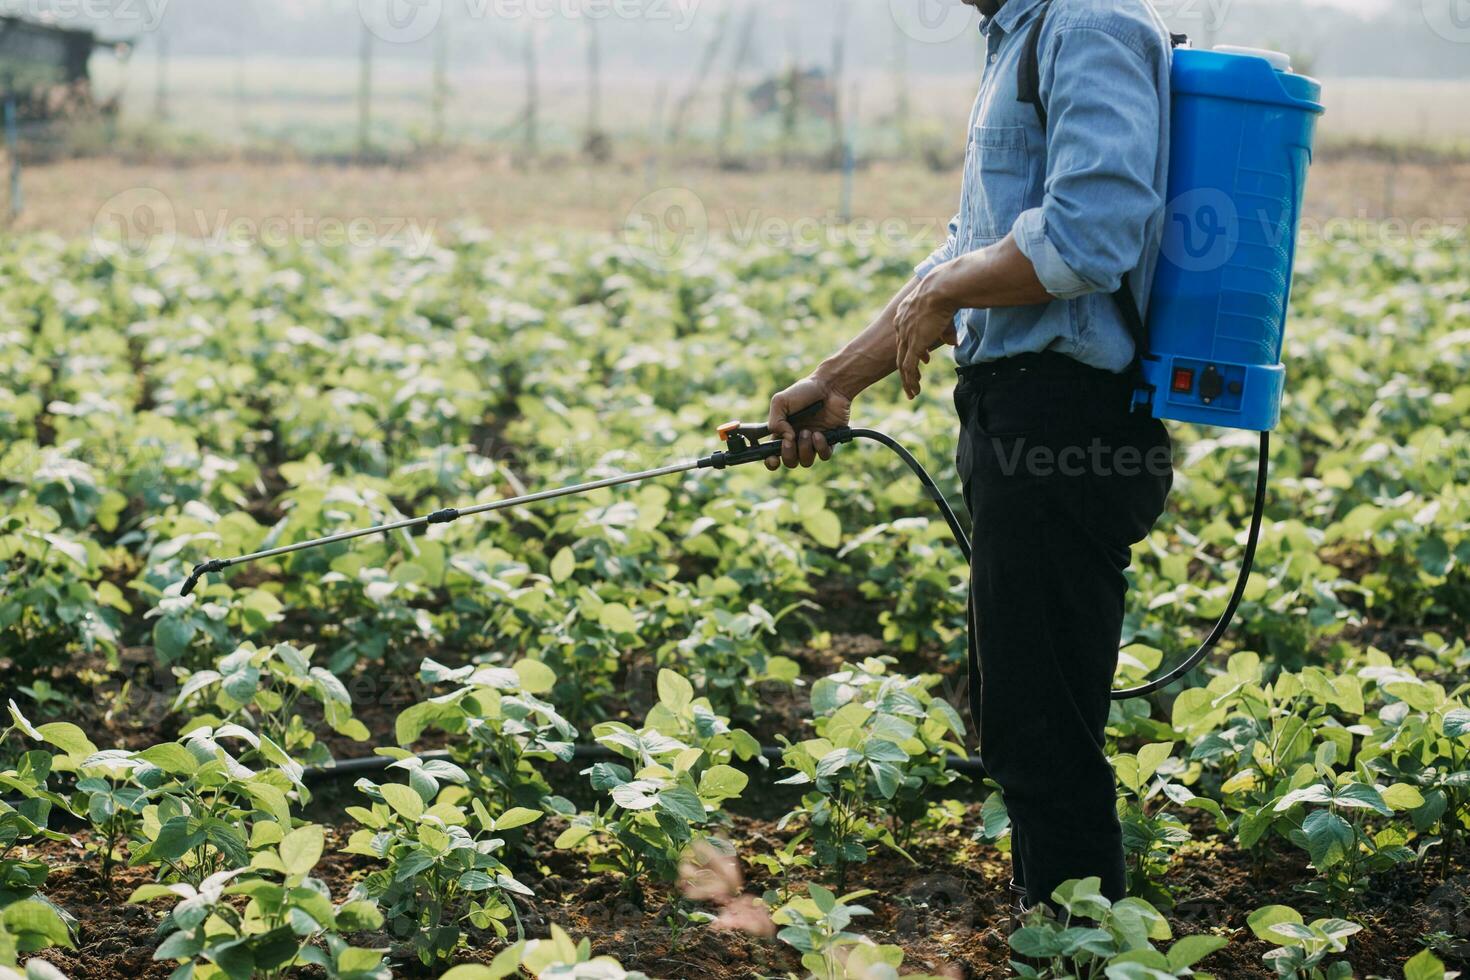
(755, 433)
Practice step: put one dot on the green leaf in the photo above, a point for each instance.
(824, 527)
(67, 737)
(563, 565)
(1189, 950)
(403, 800)
(35, 924)
(302, 849)
(682, 803)
(1457, 723)
(618, 618)
(516, 816)
(1402, 796)
(722, 782)
(674, 691)
(1362, 796)
(1264, 919)
(1329, 838)
(1424, 966)
(536, 677)
(171, 757)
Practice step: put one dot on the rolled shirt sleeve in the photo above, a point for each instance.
(1103, 141)
(943, 253)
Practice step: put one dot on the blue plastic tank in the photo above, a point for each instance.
(1243, 128)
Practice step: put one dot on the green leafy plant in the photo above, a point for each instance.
(211, 936)
(26, 823)
(25, 927)
(654, 813)
(1302, 950)
(728, 655)
(558, 957)
(201, 800)
(882, 745)
(816, 926)
(442, 871)
(261, 688)
(1334, 829)
(938, 731)
(1090, 935)
(1151, 834)
(1422, 740)
(501, 728)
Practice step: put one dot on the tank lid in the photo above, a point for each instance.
(1279, 60)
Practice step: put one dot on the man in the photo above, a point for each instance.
(1062, 206)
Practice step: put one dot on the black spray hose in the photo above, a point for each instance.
(1222, 626)
(1247, 562)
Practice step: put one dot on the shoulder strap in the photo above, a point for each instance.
(1028, 90)
(1028, 75)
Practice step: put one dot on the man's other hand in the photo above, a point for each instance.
(805, 447)
(925, 319)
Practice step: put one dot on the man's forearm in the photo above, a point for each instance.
(869, 357)
(997, 276)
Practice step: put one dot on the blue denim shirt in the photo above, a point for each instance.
(1085, 196)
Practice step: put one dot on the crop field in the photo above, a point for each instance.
(531, 744)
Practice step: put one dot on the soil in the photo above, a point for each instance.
(948, 910)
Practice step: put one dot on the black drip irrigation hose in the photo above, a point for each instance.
(348, 768)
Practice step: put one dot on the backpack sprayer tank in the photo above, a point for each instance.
(1243, 125)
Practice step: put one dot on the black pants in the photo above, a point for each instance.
(1061, 479)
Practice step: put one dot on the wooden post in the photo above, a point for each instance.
(160, 95)
(12, 147)
(849, 158)
(240, 100)
(732, 87)
(902, 108)
(533, 97)
(840, 10)
(706, 62)
(655, 135)
(440, 100)
(365, 91)
(789, 93)
(594, 143)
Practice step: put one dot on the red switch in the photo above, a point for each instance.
(1183, 381)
